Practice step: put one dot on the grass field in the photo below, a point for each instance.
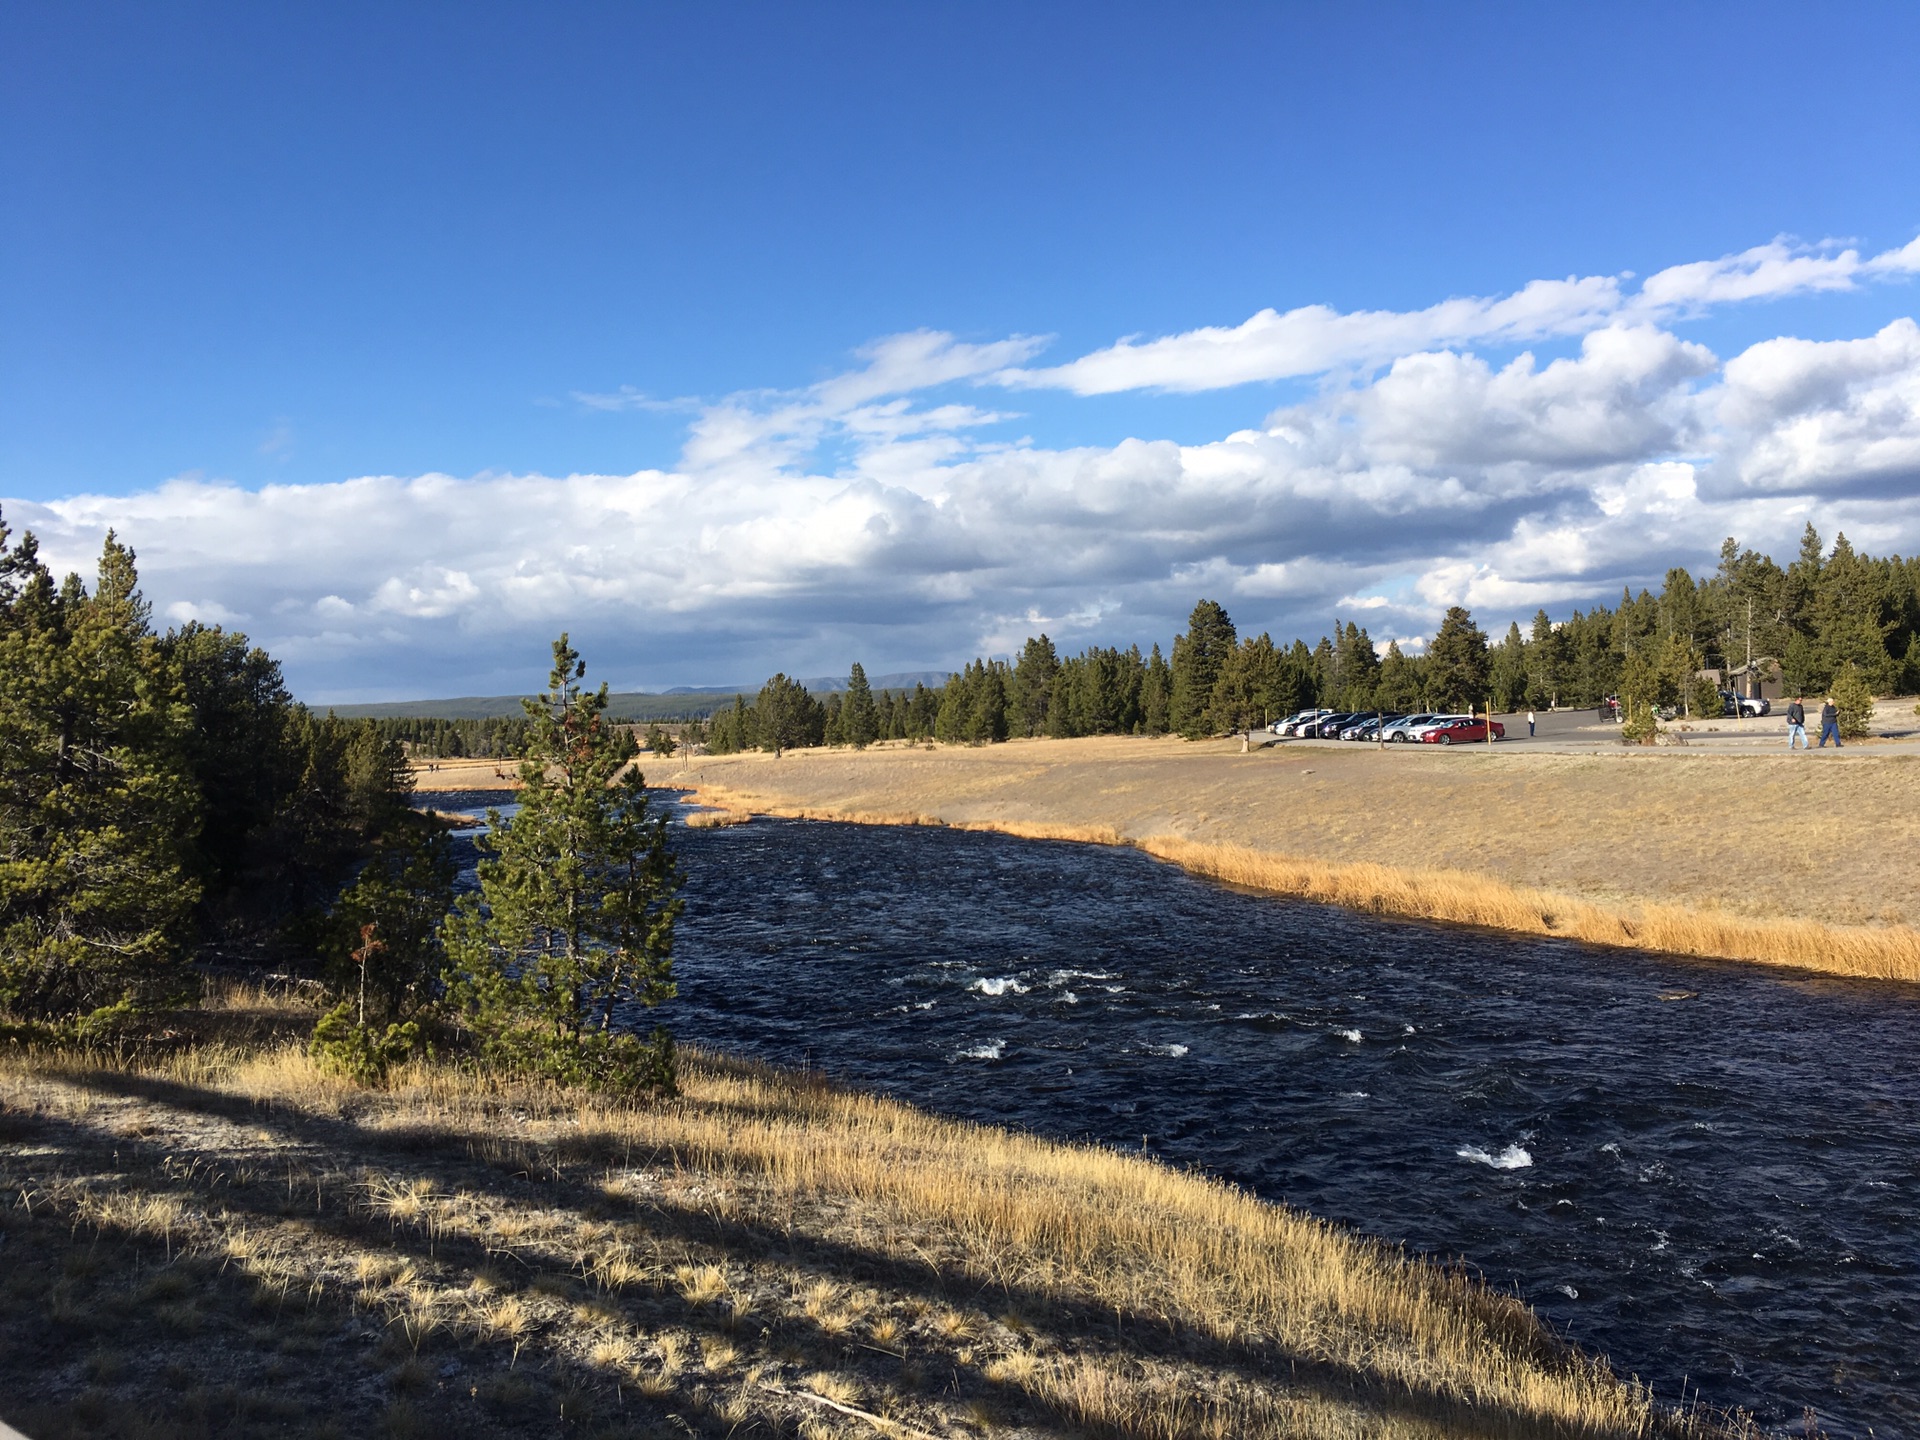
(1796, 860)
(222, 1240)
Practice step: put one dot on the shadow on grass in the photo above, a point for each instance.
(537, 1172)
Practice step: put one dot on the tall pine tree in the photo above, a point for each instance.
(573, 926)
(1198, 658)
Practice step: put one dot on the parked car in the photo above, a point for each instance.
(1367, 727)
(1743, 707)
(1402, 730)
(1330, 726)
(1355, 727)
(1462, 732)
(1293, 723)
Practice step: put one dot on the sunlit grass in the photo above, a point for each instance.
(765, 1251)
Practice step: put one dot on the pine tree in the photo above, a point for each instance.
(1198, 658)
(98, 807)
(1457, 661)
(1546, 661)
(1399, 686)
(859, 723)
(787, 716)
(1156, 695)
(1507, 671)
(1031, 687)
(401, 897)
(574, 921)
(1853, 698)
(1357, 665)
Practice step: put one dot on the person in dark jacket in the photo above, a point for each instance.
(1797, 724)
(1829, 723)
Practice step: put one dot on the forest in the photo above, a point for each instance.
(1829, 617)
(167, 810)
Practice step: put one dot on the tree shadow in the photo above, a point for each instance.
(1077, 1325)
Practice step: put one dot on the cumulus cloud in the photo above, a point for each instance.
(883, 514)
(1830, 416)
(1314, 339)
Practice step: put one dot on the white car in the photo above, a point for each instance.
(1404, 728)
(1291, 725)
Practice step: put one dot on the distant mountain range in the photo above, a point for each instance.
(683, 702)
(827, 684)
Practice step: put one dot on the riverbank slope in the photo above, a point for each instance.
(1803, 859)
(222, 1238)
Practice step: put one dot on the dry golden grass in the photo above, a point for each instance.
(1633, 850)
(764, 1251)
(1889, 952)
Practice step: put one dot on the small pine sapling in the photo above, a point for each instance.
(1854, 700)
(344, 1041)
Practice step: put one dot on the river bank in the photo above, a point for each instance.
(223, 1236)
(1799, 860)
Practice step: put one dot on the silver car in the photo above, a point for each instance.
(1404, 729)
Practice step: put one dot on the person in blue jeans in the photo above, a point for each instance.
(1797, 725)
(1829, 723)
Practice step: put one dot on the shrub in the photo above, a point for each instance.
(1854, 701)
(359, 1051)
(1641, 727)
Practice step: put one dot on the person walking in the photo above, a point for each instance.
(1797, 724)
(1829, 723)
(1529, 724)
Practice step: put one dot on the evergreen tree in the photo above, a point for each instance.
(787, 717)
(1507, 671)
(859, 723)
(1399, 686)
(1546, 662)
(1325, 670)
(98, 807)
(1853, 698)
(401, 898)
(1850, 616)
(1457, 661)
(1357, 667)
(578, 898)
(1156, 695)
(1198, 658)
(922, 712)
(1030, 689)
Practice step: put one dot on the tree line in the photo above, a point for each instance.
(492, 738)
(158, 793)
(163, 797)
(1828, 618)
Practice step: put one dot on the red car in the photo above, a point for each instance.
(1463, 732)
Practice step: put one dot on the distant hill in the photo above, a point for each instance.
(680, 706)
(683, 702)
(900, 680)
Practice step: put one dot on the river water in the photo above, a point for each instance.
(1704, 1171)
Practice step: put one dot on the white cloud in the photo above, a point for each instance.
(207, 612)
(1314, 339)
(1815, 415)
(874, 515)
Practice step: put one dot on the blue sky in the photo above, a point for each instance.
(251, 256)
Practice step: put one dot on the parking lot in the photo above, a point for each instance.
(1572, 732)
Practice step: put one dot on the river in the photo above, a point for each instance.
(1701, 1170)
